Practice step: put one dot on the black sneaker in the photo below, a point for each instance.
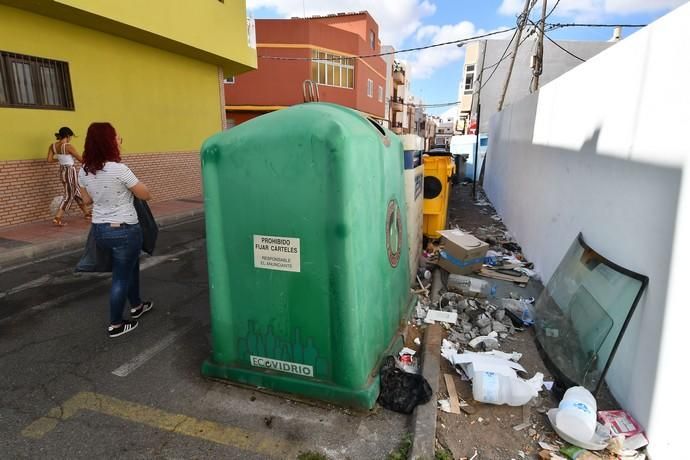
(141, 309)
(122, 329)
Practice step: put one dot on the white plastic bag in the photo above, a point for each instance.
(55, 204)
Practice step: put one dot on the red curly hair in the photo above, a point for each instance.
(100, 146)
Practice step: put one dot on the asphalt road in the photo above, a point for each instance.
(69, 391)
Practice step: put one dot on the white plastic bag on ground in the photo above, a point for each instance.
(55, 204)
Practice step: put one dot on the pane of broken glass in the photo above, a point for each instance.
(582, 314)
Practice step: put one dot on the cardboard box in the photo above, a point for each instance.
(462, 253)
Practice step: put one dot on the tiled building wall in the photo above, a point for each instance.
(27, 187)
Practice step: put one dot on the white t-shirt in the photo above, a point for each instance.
(109, 188)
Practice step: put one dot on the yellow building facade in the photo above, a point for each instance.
(153, 68)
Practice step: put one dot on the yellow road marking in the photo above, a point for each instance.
(156, 418)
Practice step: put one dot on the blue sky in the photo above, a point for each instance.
(411, 23)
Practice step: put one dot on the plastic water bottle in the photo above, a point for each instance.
(471, 286)
(495, 388)
(577, 414)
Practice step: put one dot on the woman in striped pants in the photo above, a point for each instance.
(62, 152)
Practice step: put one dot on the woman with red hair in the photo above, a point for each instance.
(111, 186)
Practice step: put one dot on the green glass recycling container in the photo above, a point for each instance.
(307, 252)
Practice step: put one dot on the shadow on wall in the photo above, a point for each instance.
(625, 209)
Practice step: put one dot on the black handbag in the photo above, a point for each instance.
(94, 259)
(149, 227)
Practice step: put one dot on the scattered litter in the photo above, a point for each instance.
(494, 378)
(407, 351)
(490, 342)
(502, 274)
(618, 446)
(433, 316)
(444, 405)
(408, 363)
(599, 440)
(577, 453)
(417, 341)
(635, 442)
(548, 385)
(402, 391)
(548, 446)
(469, 286)
(522, 310)
(522, 426)
(452, 394)
(514, 356)
(462, 252)
(621, 422)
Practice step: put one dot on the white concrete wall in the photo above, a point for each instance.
(602, 150)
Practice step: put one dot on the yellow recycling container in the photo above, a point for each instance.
(438, 171)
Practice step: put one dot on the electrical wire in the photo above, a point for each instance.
(503, 58)
(407, 50)
(554, 42)
(553, 8)
(496, 65)
(558, 25)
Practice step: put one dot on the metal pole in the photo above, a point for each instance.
(476, 155)
(521, 25)
(539, 64)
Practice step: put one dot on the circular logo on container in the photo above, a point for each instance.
(393, 233)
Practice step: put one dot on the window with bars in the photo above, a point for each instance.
(33, 82)
(370, 88)
(332, 69)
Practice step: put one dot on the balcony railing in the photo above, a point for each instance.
(399, 77)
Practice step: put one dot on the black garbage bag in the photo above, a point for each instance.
(401, 391)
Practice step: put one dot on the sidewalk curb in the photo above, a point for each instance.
(35, 251)
(424, 417)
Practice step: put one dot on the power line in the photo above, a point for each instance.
(522, 22)
(554, 42)
(503, 58)
(407, 50)
(558, 25)
(553, 8)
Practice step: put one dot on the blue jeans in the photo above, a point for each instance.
(124, 243)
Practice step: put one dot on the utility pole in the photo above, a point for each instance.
(539, 58)
(521, 25)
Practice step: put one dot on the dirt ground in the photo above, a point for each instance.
(488, 432)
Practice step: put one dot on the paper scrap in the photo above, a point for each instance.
(444, 405)
(433, 316)
(407, 351)
(548, 446)
(548, 385)
(417, 341)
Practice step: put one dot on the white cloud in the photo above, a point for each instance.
(511, 7)
(397, 19)
(451, 113)
(593, 9)
(423, 64)
(640, 6)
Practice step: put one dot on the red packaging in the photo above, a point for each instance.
(621, 422)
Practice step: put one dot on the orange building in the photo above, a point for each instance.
(327, 47)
